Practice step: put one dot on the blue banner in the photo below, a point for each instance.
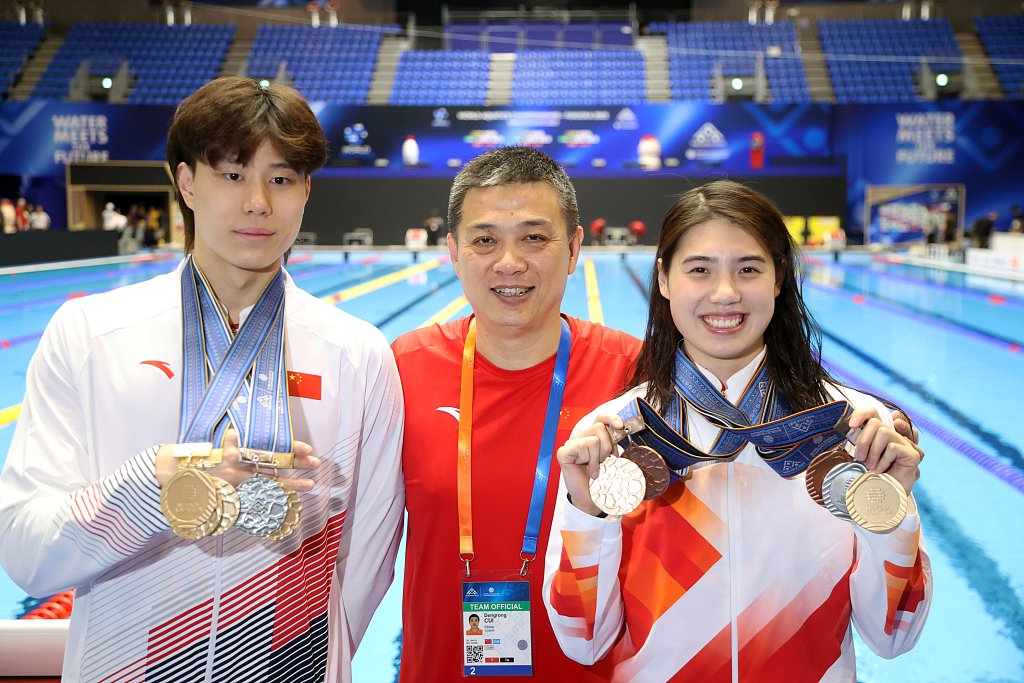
(878, 145)
(696, 138)
(945, 142)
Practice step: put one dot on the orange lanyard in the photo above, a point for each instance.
(544, 456)
(465, 448)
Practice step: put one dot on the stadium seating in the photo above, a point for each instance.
(878, 60)
(450, 77)
(1001, 38)
(696, 47)
(167, 62)
(579, 77)
(537, 36)
(17, 43)
(328, 64)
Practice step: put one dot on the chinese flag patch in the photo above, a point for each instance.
(303, 385)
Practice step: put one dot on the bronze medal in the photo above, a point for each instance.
(653, 466)
(876, 502)
(821, 465)
(191, 503)
(620, 486)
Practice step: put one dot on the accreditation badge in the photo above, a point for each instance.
(496, 635)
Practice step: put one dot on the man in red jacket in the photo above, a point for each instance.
(488, 399)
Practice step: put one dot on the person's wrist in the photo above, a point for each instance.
(591, 509)
(166, 464)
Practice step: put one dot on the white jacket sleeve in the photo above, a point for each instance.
(60, 526)
(375, 514)
(891, 586)
(581, 581)
(891, 581)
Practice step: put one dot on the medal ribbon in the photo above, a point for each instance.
(217, 366)
(786, 442)
(544, 455)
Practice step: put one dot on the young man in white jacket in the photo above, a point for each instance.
(275, 576)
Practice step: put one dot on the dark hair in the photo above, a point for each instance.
(508, 166)
(792, 336)
(229, 118)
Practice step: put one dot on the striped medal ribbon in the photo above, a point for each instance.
(786, 441)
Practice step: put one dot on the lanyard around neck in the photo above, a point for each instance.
(547, 447)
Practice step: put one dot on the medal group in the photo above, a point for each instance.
(198, 504)
(834, 480)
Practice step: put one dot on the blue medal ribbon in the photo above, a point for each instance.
(787, 442)
(547, 445)
(218, 365)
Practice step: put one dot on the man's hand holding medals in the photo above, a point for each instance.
(869, 484)
(205, 491)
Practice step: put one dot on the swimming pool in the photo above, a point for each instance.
(947, 346)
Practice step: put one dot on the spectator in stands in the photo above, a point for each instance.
(39, 219)
(21, 212)
(949, 231)
(113, 219)
(981, 231)
(100, 489)
(1016, 219)
(7, 214)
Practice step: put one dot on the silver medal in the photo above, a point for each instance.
(833, 490)
(263, 506)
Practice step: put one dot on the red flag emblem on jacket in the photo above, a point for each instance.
(303, 385)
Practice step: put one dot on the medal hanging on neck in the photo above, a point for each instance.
(498, 642)
(786, 442)
(234, 380)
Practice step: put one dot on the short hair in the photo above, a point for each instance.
(509, 166)
(229, 118)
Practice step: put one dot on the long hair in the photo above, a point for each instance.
(792, 337)
(229, 118)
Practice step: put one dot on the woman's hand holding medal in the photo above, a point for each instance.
(887, 450)
(600, 481)
(581, 457)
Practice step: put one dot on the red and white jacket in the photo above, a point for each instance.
(735, 574)
(79, 502)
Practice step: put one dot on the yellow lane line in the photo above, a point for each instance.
(593, 295)
(383, 281)
(9, 415)
(448, 312)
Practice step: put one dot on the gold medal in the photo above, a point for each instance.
(291, 517)
(876, 502)
(620, 486)
(230, 505)
(191, 503)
